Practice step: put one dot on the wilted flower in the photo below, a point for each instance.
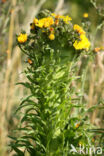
(32, 26)
(97, 49)
(77, 125)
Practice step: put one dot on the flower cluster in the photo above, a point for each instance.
(44, 22)
(49, 23)
(54, 26)
(51, 50)
(83, 42)
(66, 19)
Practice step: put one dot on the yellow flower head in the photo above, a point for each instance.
(83, 44)
(22, 38)
(51, 36)
(45, 22)
(48, 22)
(78, 29)
(35, 21)
(40, 23)
(66, 19)
(85, 15)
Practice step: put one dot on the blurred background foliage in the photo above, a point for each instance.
(16, 15)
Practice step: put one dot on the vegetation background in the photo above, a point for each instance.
(16, 15)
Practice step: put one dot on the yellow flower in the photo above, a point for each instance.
(83, 44)
(66, 19)
(40, 23)
(22, 38)
(85, 15)
(78, 29)
(35, 21)
(48, 22)
(51, 36)
(45, 22)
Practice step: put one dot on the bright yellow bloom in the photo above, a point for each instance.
(45, 22)
(22, 38)
(78, 29)
(66, 19)
(51, 36)
(40, 24)
(83, 44)
(35, 21)
(85, 15)
(48, 22)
